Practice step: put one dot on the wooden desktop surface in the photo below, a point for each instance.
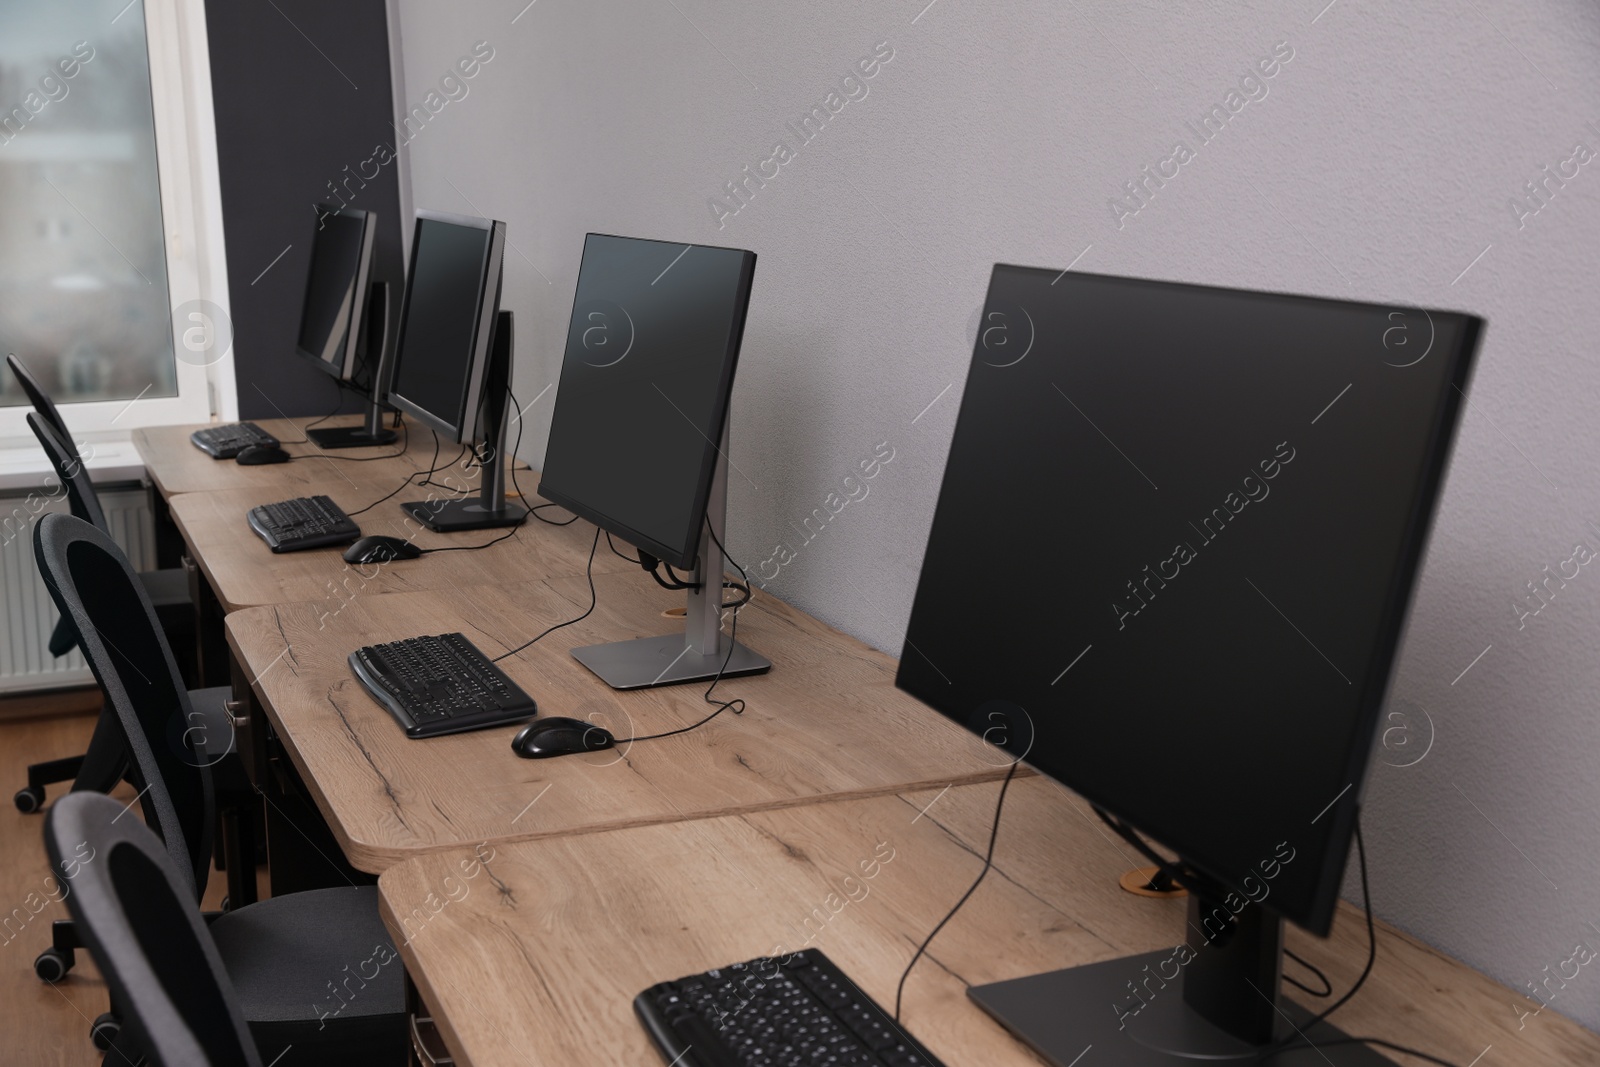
(826, 722)
(534, 959)
(175, 465)
(244, 572)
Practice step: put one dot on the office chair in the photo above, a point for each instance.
(106, 761)
(159, 961)
(168, 588)
(297, 962)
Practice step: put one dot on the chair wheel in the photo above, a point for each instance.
(28, 799)
(226, 905)
(104, 1030)
(51, 965)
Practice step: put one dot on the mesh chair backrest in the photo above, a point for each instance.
(39, 398)
(92, 583)
(81, 496)
(133, 912)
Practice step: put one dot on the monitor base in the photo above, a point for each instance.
(350, 437)
(668, 660)
(450, 516)
(1061, 1014)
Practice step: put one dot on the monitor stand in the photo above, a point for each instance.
(490, 509)
(701, 652)
(371, 433)
(1200, 1003)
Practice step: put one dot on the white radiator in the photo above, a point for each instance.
(30, 615)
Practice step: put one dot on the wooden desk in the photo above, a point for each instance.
(244, 572)
(175, 465)
(537, 958)
(826, 722)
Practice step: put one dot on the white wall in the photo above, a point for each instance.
(1380, 165)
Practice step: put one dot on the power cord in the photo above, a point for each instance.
(588, 572)
(305, 431)
(1300, 1041)
(1327, 986)
(405, 443)
(621, 554)
(988, 862)
(536, 508)
(511, 532)
(432, 470)
(737, 704)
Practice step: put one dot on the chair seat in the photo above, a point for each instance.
(319, 971)
(166, 588)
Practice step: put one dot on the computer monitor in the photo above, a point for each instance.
(343, 319)
(1223, 498)
(452, 364)
(639, 435)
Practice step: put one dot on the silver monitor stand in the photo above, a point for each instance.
(700, 652)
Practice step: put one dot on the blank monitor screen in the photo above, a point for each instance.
(644, 388)
(326, 317)
(1211, 504)
(443, 312)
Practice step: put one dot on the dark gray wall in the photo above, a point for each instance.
(303, 99)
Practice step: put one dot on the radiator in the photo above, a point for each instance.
(29, 616)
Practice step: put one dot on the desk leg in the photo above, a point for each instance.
(302, 852)
(239, 806)
(169, 542)
(211, 640)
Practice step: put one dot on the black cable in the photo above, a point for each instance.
(733, 637)
(1372, 955)
(551, 522)
(305, 431)
(536, 508)
(736, 705)
(404, 484)
(471, 548)
(618, 552)
(1372, 936)
(1175, 870)
(509, 533)
(743, 585)
(588, 573)
(988, 862)
(653, 565)
(405, 443)
(1327, 986)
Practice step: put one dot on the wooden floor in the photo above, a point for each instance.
(42, 1024)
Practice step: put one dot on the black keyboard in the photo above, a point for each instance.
(797, 1010)
(440, 685)
(226, 442)
(304, 522)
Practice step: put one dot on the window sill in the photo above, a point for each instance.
(24, 467)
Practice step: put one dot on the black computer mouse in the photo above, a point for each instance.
(256, 455)
(378, 549)
(543, 738)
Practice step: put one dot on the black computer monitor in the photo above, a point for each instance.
(1223, 498)
(343, 319)
(452, 364)
(638, 437)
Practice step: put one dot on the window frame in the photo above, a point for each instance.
(191, 213)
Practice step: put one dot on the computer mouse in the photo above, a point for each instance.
(543, 738)
(379, 549)
(256, 455)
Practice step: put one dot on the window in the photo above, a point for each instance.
(111, 285)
